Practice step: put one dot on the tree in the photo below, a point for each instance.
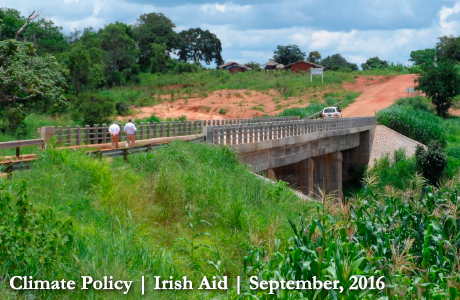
(448, 47)
(93, 109)
(254, 65)
(85, 71)
(119, 51)
(423, 57)
(288, 54)
(11, 23)
(46, 36)
(337, 62)
(159, 57)
(29, 79)
(200, 45)
(154, 28)
(314, 57)
(374, 63)
(432, 161)
(24, 26)
(441, 84)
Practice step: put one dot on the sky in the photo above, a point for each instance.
(250, 30)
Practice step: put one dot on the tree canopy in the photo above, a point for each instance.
(314, 57)
(440, 83)
(448, 47)
(154, 28)
(374, 63)
(337, 62)
(200, 45)
(27, 78)
(423, 57)
(288, 54)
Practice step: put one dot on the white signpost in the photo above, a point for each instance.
(316, 71)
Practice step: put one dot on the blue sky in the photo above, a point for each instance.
(251, 29)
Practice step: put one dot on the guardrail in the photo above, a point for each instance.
(125, 152)
(96, 134)
(19, 144)
(251, 133)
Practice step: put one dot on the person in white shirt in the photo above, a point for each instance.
(114, 131)
(130, 130)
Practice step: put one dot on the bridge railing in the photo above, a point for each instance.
(250, 133)
(98, 134)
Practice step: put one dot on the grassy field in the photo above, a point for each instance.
(132, 219)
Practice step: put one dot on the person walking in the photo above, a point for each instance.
(130, 130)
(114, 131)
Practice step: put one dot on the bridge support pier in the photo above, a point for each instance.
(327, 173)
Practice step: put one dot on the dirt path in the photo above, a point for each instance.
(377, 93)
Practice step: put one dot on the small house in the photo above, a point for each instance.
(234, 67)
(302, 66)
(237, 68)
(229, 64)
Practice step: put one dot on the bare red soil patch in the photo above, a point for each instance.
(222, 104)
(377, 93)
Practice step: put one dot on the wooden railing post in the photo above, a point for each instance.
(77, 135)
(68, 130)
(104, 133)
(96, 134)
(141, 131)
(87, 134)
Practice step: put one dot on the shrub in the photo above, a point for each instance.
(419, 125)
(93, 109)
(14, 116)
(122, 108)
(432, 162)
(222, 111)
(31, 239)
(399, 155)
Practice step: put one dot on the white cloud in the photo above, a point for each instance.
(449, 27)
(251, 30)
(226, 7)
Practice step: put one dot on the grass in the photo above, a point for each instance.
(153, 87)
(415, 117)
(346, 98)
(127, 218)
(32, 122)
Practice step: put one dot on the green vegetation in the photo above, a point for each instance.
(128, 218)
(288, 54)
(441, 84)
(432, 161)
(374, 63)
(330, 99)
(407, 237)
(415, 117)
(415, 122)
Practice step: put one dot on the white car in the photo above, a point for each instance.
(332, 112)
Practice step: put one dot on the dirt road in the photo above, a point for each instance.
(378, 92)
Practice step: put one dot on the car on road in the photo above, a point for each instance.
(332, 112)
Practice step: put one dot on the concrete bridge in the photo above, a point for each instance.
(304, 153)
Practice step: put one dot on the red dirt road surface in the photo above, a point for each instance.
(378, 92)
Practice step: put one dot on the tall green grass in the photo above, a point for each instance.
(128, 217)
(420, 125)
